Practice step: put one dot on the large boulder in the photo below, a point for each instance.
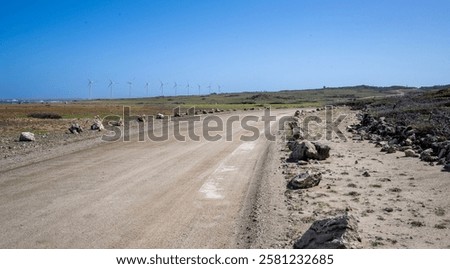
(75, 128)
(334, 233)
(27, 137)
(410, 153)
(97, 125)
(426, 156)
(323, 151)
(297, 133)
(160, 116)
(303, 150)
(141, 118)
(447, 167)
(304, 181)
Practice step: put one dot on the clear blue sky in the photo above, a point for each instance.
(49, 49)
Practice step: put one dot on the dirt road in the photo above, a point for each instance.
(134, 194)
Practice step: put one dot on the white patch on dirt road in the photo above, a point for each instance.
(244, 148)
(211, 189)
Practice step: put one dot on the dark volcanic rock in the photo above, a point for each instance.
(75, 128)
(323, 151)
(333, 233)
(304, 150)
(426, 156)
(97, 125)
(304, 181)
(447, 167)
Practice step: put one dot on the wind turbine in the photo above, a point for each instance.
(90, 87)
(218, 88)
(188, 86)
(161, 87)
(130, 83)
(146, 87)
(110, 86)
(175, 85)
(199, 88)
(209, 87)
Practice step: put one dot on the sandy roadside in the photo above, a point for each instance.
(402, 204)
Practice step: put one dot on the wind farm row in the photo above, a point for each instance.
(165, 88)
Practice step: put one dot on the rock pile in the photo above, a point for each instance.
(303, 150)
(392, 138)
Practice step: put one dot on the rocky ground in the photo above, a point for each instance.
(54, 134)
(395, 201)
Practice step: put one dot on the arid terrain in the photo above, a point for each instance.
(69, 190)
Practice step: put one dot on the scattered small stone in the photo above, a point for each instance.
(440, 226)
(115, 123)
(366, 174)
(395, 189)
(439, 211)
(417, 223)
(354, 193)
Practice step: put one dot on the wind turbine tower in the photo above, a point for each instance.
(90, 88)
(187, 87)
(199, 89)
(110, 86)
(161, 87)
(146, 87)
(130, 85)
(175, 85)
